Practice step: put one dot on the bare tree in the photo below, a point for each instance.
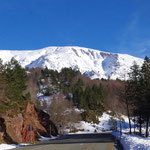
(62, 112)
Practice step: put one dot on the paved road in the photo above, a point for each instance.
(101, 141)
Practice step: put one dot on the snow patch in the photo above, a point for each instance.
(11, 146)
(133, 142)
(48, 138)
(85, 127)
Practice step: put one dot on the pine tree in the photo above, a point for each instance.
(133, 95)
(138, 95)
(1, 65)
(2, 81)
(145, 83)
(15, 77)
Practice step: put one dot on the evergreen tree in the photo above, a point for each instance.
(138, 95)
(15, 77)
(1, 66)
(133, 94)
(2, 81)
(145, 83)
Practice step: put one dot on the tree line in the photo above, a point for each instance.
(137, 96)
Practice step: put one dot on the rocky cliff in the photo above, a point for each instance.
(27, 126)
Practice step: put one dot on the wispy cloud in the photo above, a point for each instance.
(132, 39)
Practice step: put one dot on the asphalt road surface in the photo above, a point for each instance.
(100, 141)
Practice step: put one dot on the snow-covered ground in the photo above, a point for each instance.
(7, 146)
(85, 127)
(133, 142)
(11, 146)
(129, 142)
(48, 138)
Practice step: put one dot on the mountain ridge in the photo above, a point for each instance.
(93, 63)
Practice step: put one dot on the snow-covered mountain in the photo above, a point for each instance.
(93, 63)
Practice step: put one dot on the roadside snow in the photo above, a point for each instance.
(133, 142)
(11, 146)
(7, 146)
(129, 142)
(47, 138)
(85, 127)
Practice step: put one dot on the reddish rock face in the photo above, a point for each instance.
(30, 109)
(14, 127)
(29, 126)
(28, 136)
(1, 136)
(2, 129)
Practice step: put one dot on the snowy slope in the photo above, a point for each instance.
(93, 63)
(129, 141)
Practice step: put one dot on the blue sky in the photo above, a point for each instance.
(119, 26)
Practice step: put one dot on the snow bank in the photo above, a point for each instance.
(7, 146)
(129, 141)
(47, 138)
(11, 146)
(133, 142)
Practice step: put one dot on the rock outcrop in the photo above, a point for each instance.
(28, 126)
(14, 127)
(2, 129)
(47, 124)
(31, 125)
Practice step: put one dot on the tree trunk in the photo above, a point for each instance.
(147, 125)
(140, 129)
(134, 124)
(50, 131)
(120, 127)
(128, 113)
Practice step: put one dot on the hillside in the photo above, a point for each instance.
(93, 63)
(29, 97)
